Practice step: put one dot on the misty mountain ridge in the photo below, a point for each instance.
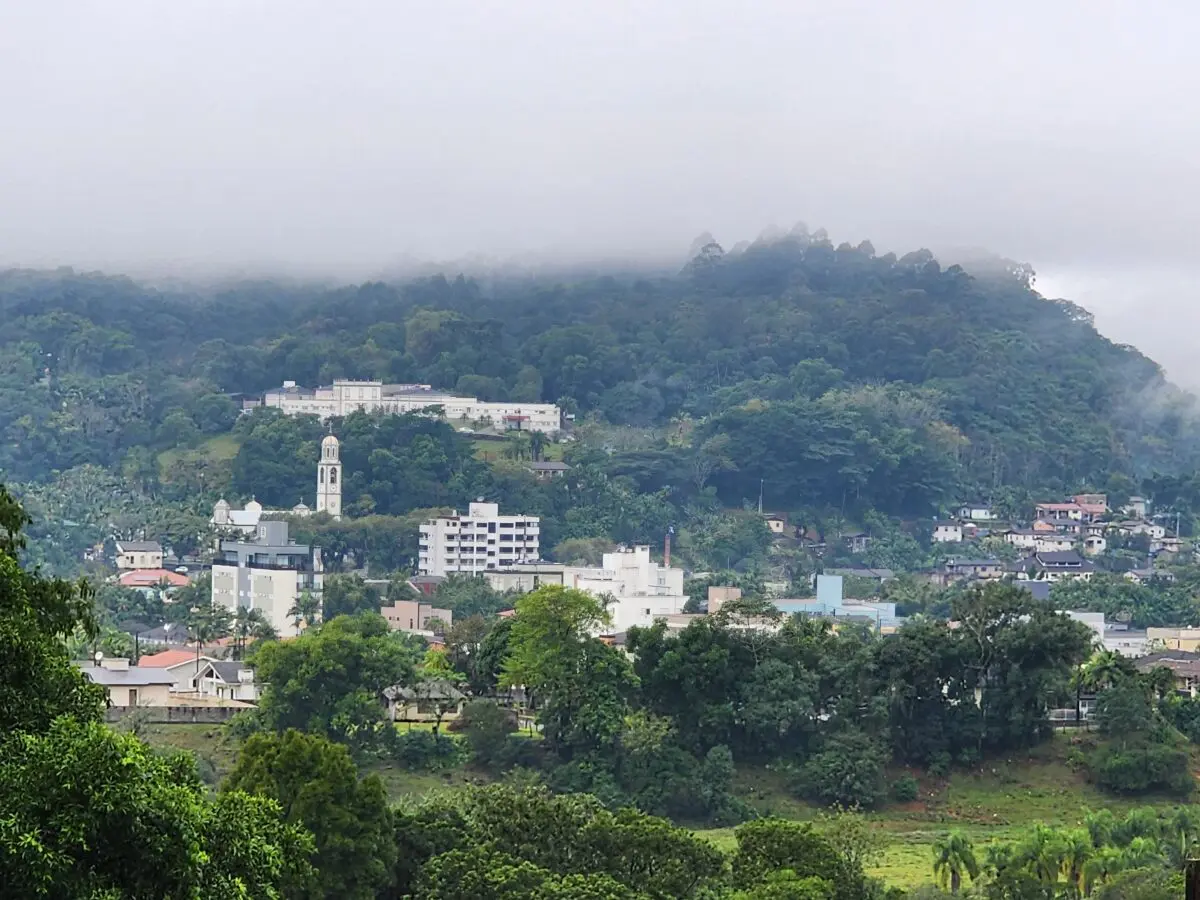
(839, 374)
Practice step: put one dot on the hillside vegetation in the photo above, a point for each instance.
(839, 376)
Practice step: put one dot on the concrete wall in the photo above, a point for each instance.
(175, 715)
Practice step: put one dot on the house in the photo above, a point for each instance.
(546, 469)
(181, 664)
(1094, 506)
(1053, 543)
(144, 579)
(1094, 544)
(976, 512)
(228, 680)
(947, 532)
(1126, 642)
(1056, 566)
(1132, 527)
(422, 702)
(776, 523)
(1184, 665)
(1021, 538)
(719, 595)
(414, 616)
(1144, 576)
(139, 555)
(128, 687)
(987, 569)
(1167, 545)
(856, 541)
(1058, 513)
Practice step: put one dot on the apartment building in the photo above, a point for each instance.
(267, 573)
(480, 541)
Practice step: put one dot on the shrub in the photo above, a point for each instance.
(486, 728)
(424, 750)
(905, 789)
(1142, 768)
(847, 772)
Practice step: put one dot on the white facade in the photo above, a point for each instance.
(329, 479)
(344, 397)
(267, 574)
(638, 590)
(947, 533)
(477, 542)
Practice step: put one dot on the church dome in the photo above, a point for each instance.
(329, 447)
(254, 506)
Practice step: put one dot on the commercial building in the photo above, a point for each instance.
(478, 542)
(267, 573)
(637, 590)
(344, 397)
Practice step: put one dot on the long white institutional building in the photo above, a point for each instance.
(344, 397)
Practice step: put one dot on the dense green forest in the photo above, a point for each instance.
(839, 377)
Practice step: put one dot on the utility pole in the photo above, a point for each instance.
(760, 495)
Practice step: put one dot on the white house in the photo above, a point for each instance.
(344, 397)
(228, 680)
(478, 542)
(949, 532)
(182, 665)
(139, 555)
(976, 512)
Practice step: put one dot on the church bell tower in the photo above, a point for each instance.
(329, 478)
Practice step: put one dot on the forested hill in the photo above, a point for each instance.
(837, 375)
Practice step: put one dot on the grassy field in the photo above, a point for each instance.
(218, 449)
(996, 802)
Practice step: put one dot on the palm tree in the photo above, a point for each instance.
(1104, 864)
(952, 856)
(207, 623)
(1141, 852)
(1105, 669)
(1043, 852)
(307, 609)
(1077, 849)
(537, 444)
(247, 624)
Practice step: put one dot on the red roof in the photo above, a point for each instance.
(151, 578)
(167, 658)
(506, 613)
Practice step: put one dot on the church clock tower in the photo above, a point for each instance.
(329, 479)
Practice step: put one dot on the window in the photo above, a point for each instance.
(321, 475)
(333, 476)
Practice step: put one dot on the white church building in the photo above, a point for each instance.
(245, 521)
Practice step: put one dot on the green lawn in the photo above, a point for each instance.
(220, 448)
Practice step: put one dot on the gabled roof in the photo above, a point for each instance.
(139, 547)
(225, 670)
(434, 690)
(549, 466)
(1060, 558)
(167, 659)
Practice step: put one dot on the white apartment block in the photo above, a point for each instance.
(638, 590)
(478, 542)
(344, 397)
(267, 573)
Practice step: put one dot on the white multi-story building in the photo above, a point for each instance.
(480, 541)
(637, 590)
(267, 573)
(344, 397)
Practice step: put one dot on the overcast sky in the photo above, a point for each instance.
(344, 136)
